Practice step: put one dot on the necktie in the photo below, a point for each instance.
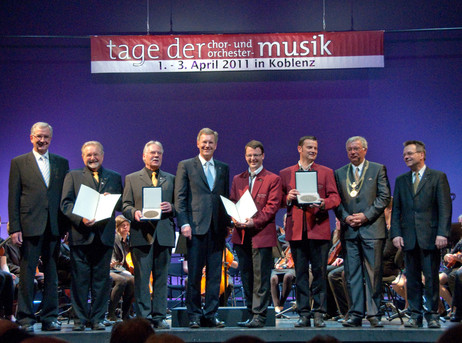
(208, 175)
(154, 179)
(96, 176)
(252, 178)
(45, 169)
(357, 175)
(416, 182)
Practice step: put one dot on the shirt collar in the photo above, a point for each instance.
(421, 171)
(256, 172)
(37, 155)
(309, 166)
(203, 161)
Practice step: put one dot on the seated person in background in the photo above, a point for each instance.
(6, 288)
(337, 300)
(13, 259)
(448, 276)
(225, 292)
(283, 272)
(121, 271)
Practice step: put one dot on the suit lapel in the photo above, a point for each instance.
(257, 184)
(35, 168)
(145, 179)
(88, 177)
(162, 178)
(426, 178)
(198, 165)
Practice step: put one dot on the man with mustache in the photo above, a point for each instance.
(35, 185)
(203, 221)
(91, 242)
(308, 232)
(151, 241)
(365, 192)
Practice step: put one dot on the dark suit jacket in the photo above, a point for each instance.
(30, 202)
(110, 182)
(317, 220)
(425, 215)
(372, 199)
(195, 203)
(146, 232)
(266, 193)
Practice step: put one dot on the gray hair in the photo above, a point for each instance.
(94, 143)
(148, 144)
(41, 125)
(361, 139)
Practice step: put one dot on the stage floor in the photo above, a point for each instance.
(284, 331)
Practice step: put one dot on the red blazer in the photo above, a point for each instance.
(317, 220)
(267, 194)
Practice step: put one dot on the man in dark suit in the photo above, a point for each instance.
(365, 192)
(35, 185)
(421, 222)
(151, 241)
(254, 237)
(91, 242)
(203, 221)
(308, 232)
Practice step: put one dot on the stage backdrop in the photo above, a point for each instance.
(417, 95)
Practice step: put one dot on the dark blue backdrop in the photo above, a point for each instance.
(416, 96)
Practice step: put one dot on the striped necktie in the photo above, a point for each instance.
(45, 169)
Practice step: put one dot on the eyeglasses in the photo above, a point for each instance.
(354, 149)
(411, 153)
(254, 155)
(40, 137)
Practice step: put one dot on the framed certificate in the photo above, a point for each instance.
(152, 197)
(306, 182)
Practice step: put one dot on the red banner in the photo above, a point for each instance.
(243, 52)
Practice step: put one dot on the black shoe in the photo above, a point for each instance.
(213, 322)
(160, 324)
(318, 320)
(353, 323)
(52, 326)
(194, 324)
(98, 326)
(78, 327)
(108, 322)
(244, 324)
(413, 323)
(256, 322)
(28, 327)
(375, 322)
(303, 322)
(433, 324)
(455, 319)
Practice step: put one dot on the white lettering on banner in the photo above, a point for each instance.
(240, 52)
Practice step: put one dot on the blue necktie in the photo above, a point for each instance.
(208, 175)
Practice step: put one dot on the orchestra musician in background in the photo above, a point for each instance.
(121, 272)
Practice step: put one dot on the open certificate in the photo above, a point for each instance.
(306, 182)
(243, 209)
(152, 197)
(92, 205)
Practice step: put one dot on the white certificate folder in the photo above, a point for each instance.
(152, 197)
(306, 182)
(92, 205)
(243, 209)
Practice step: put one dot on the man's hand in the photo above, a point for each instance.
(247, 224)
(441, 242)
(138, 215)
(321, 205)
(166, 207)
(398, 242)
(16, 238)
(338, 262)
(87, 222)
(292, 195)
(186, 231)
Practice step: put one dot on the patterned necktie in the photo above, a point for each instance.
(252, 178)
(154, 179)
(208, 174)
(357, 175)
(96, 176)
(45, 169)
(416, 182)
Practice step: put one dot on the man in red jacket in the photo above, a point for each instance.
(308, 231)
(254, 238)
